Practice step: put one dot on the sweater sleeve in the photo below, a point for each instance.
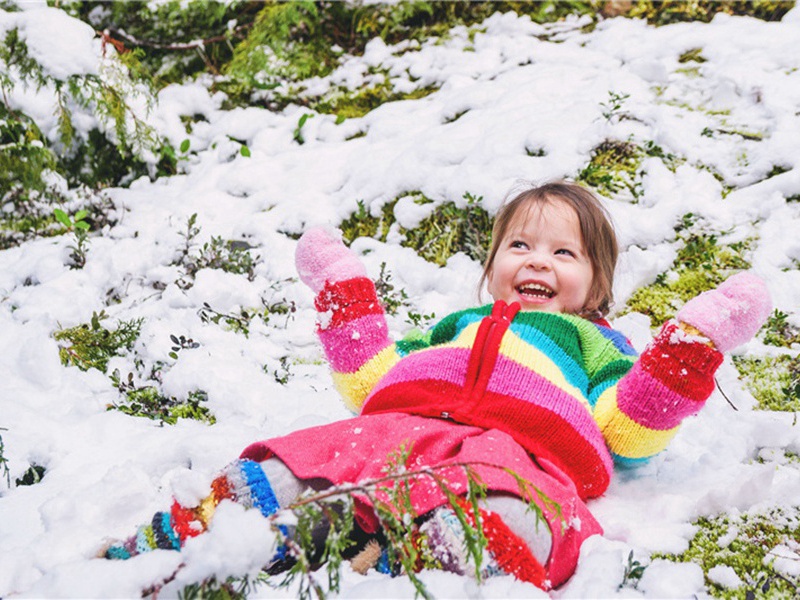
(670, 381)
(354, 334)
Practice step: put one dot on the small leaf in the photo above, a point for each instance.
(82, 225)
(62, 217)
(173, 355)
(81, 214)
(340, 119)
(174, 339)
(185, 145)
(244, 151)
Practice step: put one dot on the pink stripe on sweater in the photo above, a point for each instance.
(512, 379)
(450, 365)
(647, 401)
(348, 347)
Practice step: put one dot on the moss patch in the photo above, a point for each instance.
(702, 264)
(744, 543)
(774, 381)
(447, 230)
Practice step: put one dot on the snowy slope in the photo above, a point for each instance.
(524, 87)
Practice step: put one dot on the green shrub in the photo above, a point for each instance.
(149, 402)
(91, 345)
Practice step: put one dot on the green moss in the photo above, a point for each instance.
(779, 332)
(774, 381)
(447, 230)
(451, 229)
(744, 543)
(363, 223)
(91, 345)
(701, 265)
(347, 104)
(664, 12)
(613, 167)
(693, 55)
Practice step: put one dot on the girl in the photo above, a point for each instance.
(536, 383)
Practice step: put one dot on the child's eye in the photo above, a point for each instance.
(518, 244)
(565, 252)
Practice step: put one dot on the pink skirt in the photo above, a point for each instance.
(358, 449)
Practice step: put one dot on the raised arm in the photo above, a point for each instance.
(351, 325)
(675, 374)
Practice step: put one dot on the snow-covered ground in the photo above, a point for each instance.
(521, 87)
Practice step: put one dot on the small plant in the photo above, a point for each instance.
(229, 256)
(92, 345)
(32, 476)
(149, 402)
(181, 343)
(297, 136)
(391, 299)
(633, 572)
(612, 108)
(80, 229)
(4, 460)
(779, 332)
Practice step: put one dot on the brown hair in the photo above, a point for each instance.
(599, 239)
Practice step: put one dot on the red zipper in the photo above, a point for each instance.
(486, 349)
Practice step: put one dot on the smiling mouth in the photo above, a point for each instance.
(535, 291)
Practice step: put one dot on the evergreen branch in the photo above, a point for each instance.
(117, 37)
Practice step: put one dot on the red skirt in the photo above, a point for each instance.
(359, 449)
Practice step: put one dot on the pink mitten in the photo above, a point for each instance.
(322, 256)
(731, 314)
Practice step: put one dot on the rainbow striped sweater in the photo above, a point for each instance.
(571, 392)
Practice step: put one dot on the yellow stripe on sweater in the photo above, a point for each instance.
(523, 353)
(624, 436)
(355, 387)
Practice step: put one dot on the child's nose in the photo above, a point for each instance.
(539, 260)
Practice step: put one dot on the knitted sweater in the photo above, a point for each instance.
(571, 392)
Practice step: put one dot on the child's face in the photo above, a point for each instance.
(541, 262)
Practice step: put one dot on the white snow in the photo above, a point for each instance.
(524, 87)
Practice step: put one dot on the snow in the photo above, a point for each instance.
(525, 86)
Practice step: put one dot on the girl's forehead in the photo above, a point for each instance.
(549, 214)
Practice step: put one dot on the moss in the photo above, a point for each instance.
(613, 167)
(91, 345)
(744, 543)
(346, 104)
(447, 230)
(774, 381)
(779, 332)
(363, 224)
(693, 55)
(451, 229)
(664, 12)
(701, 265)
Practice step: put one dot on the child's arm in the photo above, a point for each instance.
(675, 374)
(352, 325)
